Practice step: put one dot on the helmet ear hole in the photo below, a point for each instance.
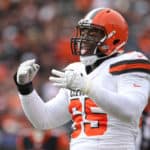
(116, 41)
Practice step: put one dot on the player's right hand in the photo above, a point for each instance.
(27, 71)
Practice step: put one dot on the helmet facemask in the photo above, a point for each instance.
(88, 40)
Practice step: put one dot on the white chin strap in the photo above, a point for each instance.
(88, 60)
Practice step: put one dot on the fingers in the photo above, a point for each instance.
(28, 62)
(69, 79)
(27, 71)
(30, 65)
(59, 85)
(36, 67)
(21, 78)
(59, 76)
(58, 73)
(56, 79)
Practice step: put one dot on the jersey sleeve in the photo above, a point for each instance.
(131, 65)
(136, 87)
(47, 115)
(128, 102)
(133, 88)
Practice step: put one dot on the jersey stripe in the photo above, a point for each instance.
(126, 66)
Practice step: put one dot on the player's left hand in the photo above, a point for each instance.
(70, 79)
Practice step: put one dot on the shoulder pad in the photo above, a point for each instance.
(137, 62)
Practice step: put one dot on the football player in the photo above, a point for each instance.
(104, 94)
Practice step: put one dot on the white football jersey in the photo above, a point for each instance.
(100, 123)
(90, 121)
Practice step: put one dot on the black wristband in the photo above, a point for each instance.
(23, 89)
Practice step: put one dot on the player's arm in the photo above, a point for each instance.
(42, 115)
(47, 115)
(128, 103)
(132, 89)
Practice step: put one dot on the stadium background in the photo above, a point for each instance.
(41, 29)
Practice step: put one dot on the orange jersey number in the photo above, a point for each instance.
(94, 123)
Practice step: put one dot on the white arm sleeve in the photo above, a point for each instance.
(48, 115)
(129, 101)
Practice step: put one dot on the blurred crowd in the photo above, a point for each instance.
(41, 29)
